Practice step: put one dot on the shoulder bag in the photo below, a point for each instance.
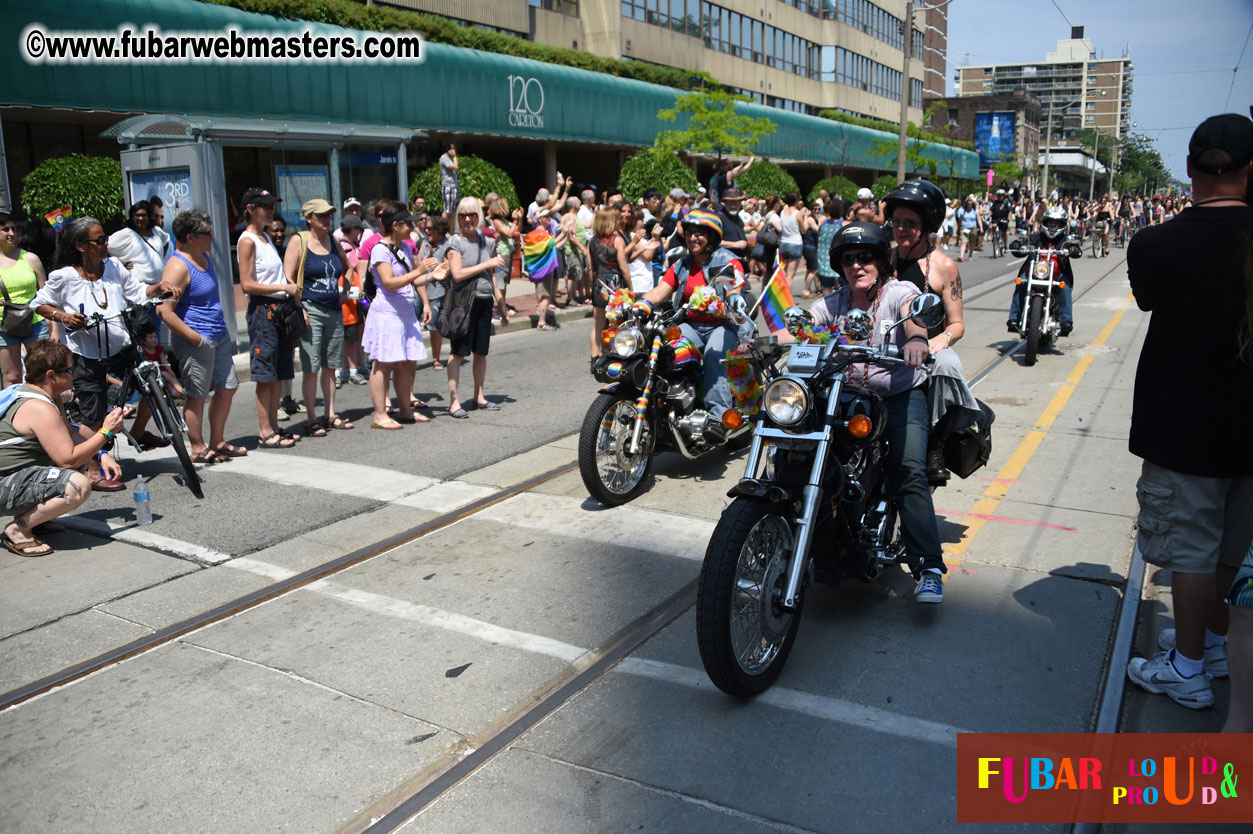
(768, 235)
(18, 318)
(453, 321)
(288, 314)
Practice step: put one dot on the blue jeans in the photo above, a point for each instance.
(1065, 303)
(907, 429)
(715, 341)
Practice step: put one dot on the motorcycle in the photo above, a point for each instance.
(1039, 322)
(651, 401)
(813, 505)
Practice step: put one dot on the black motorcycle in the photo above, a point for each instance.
(813, 505)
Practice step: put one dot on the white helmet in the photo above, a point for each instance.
(865, 194)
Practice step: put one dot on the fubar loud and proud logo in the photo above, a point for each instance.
(1106, 778)
(526, 102)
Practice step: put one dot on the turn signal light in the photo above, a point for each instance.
(673, 334)
(1062, 285)
(859, 426)
(1018, 280)
(732, 419)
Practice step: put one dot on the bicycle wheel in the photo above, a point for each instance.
(1096, 244)
(172, 429)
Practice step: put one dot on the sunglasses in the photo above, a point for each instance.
(909, 225)
(862, 258)
(699, 232)
(66, 370)
(99, 241)
(469, 214)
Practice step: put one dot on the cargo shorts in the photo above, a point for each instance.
(1189, 523)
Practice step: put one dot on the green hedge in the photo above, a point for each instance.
(892, 127)
(90, 185)
(765, 178)
(438, 29)
(653, 168)
(475, 178)
(841, 187)
(883, 185)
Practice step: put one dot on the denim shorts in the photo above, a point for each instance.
(38, 330)
(790, 251)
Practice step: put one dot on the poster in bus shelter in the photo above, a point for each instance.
(994, 137)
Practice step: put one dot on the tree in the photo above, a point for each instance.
(90, 185)
(475, 178)
(840, 187)
(653, 168)
(1140, 166)
(1008, 171)
(713, 126)
(766, 178)
(916, 140)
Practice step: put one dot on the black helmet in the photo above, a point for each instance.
(861, 235)
(922, 196)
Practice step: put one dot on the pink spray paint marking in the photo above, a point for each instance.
(1010, 520)
(1002, 480)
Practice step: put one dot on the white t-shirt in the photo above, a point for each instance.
(586, 216)
(116, 290)
(146, 255)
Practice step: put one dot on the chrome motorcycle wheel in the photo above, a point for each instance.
(611, 474)
(744, 633)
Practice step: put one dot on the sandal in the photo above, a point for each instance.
(314, 428)
(485, 406)
(545, 326)
(414, 402)
(413, 418)
(459, 413)
(27, 548)
(290, 435)
(337, 423)
(208, 456)
(437, 365)
(231, 451)
(278, 440)
(391, 426)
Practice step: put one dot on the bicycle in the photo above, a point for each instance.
(144, 376)
(1096, 233)
(998, 239)
(1124, 232)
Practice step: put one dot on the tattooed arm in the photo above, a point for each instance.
(947, 280)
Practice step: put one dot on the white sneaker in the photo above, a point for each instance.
(1215, 656)
(1158, 675)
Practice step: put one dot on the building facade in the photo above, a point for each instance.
(798, 55)
(982, 119)
(1077, 89)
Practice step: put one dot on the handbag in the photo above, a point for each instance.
(453, 321)
(289, 319)
(18, 318)
(768, 235)
(968, 450)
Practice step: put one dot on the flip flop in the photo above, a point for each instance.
(392, 426)
(231, 451)
(460, 413)
(275, 441)
(413, 418)
(26, 548)
(487, 406)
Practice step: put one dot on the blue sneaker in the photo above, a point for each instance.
(930, 588)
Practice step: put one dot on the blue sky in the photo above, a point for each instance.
(1182, 53)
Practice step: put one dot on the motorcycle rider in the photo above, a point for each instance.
(862, 254)
(714, 334)
(1052, 233)
(916, 208)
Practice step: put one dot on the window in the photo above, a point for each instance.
(1089, 120)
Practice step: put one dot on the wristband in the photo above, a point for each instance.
(108, 435)
(919, 336)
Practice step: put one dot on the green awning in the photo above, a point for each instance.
(453, 90)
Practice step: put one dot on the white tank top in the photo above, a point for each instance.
(791, 233)
(269, 266)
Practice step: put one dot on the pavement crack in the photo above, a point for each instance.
(144, 626)
(287, 673)
(708, 805)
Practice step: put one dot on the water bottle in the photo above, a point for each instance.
(143, 507)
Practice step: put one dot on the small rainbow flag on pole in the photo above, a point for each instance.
(57, 218)
(776, 298)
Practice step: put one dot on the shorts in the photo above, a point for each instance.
(790, 251)
(322, 345)
(270, 359)
(449, 193)
(352, 333)
(575, 268)
(1190, 524)
(969, 232)
(91, 386)
(206, 367)
(1241, 593)
(38, 330)
(29, 487)
(599, 299)
(480, 333)
(811, 259)
(435, 305)
(547, 286)
(827, 282)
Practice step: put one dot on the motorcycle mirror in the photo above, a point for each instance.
(858, 325)
(796, 317)
(676, 253)
(927, 310)
(724, 274)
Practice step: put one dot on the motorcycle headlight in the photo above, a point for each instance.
(626, 342)
(786, 401)
(1043, 269)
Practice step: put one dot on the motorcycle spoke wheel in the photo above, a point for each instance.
(611, 474)
(758, 623)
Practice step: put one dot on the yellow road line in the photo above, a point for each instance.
(1017, 462)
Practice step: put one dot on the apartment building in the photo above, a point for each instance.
(798, 55)
(1077, 89)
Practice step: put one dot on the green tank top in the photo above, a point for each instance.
(20, 281)
(18, 451)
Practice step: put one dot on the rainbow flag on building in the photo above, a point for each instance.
(57, 218)
(539, 254)
(777, 298)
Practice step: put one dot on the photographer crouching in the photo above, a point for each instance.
(42, 454)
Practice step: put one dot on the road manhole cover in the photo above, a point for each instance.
(1086, 350)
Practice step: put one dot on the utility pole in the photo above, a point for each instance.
(1096, 145)
(1048, 140)
(906, 86)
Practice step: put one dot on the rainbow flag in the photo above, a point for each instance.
(57, 218)
(539, 254)
(777, 298)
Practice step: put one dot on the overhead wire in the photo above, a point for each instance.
(1236, 68)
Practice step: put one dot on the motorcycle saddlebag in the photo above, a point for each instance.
(968, 450)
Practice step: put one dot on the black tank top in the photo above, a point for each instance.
(911, 271)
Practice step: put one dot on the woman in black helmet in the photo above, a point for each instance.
(861, 253)
(916, 209)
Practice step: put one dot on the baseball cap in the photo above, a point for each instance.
(351, 221)
(702, 190)
(678, 194)
(864, 194)
(403, 214)
(259, 196)
(316, 206)
(1222, 144)
(351, 201)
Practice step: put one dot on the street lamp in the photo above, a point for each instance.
(1048, 139)
(1096, 144)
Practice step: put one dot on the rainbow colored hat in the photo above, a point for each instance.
(700, 217)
